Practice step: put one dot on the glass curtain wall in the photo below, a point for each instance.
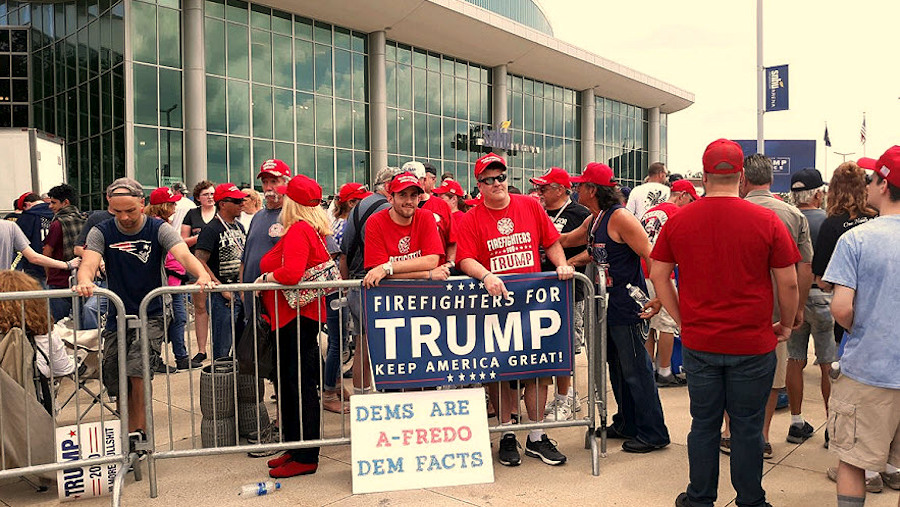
(621, 139)
(78, 86)
(14, 77)
(547, 117)
(284, 86)
(435, 105)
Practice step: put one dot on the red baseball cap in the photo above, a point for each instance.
(554, 175)
(351, 191)
(163, 195)
(685, 186)
(274, 167)
(450, 186)
(866, 163)
(489, 160)
(403, 181)
(226, 190)
(888, 165)
(20, 202)
(303, 190)
(476, 201)
(723, 157)
(598, 174)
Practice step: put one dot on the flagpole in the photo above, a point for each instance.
(760, 80)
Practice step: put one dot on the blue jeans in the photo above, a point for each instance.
(739, 385)
(175, 332)
(221, 312)
(337, 338)
(640, 414)
(60, 308)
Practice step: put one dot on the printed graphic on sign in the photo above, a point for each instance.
(419, 440)
(89, 440)
(424, 334)
(777, 88)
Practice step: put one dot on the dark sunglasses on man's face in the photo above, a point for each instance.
(491, 179)
(868, 179)
(233, 200)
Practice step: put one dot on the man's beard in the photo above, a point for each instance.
(273, 199)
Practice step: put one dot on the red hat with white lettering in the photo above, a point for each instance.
(303, 190)
(274, 167)
(226, 190)
(350, 191)
(403, 181)
(450, 186)
(487, 161)
(685, 186)
(723, 157)
(888, 165)
(598, 174)
(163, 195)
(554, 175)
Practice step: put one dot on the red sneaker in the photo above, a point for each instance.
(280, 460)
(292, 469)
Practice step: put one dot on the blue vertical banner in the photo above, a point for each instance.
(777, 88)
(433, 333)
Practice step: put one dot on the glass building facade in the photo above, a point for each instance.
(281, 85)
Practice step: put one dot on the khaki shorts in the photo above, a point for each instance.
(781, 357)
(864, 424)
(662, 322)
(133, 362)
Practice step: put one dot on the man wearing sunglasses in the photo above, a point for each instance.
(503, 236)
(220, 247)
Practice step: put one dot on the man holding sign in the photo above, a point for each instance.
(503, 235)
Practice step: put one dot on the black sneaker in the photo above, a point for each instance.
(509, 451)
(162, 367)
(199, 357)
(800, 434)
(670, 380)
(186, 364)
(544, 449)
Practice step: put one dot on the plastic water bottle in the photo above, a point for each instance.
(259, 489)
(637, 295)
(835, 370)
(339, 303)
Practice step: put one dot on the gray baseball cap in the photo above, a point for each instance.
(124, 187)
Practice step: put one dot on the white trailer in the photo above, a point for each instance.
(30, 160)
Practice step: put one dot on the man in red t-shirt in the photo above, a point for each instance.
(503, 235)
(403, 241)
(435, 205)
(661, 338)
(725, 249)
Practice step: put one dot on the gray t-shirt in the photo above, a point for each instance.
(167, 238)
(867, 260)
(815, 217)
(262, 235)
(376, 202)
(12, 241)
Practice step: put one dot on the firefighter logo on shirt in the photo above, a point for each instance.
(403, 245)
(505, 226)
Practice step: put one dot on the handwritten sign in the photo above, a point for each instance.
(89, 440)
(419, 440)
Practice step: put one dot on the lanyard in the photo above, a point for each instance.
(564, 206)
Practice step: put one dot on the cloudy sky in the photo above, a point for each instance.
(842, 57)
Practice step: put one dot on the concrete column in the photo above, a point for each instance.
(499, 113)
(588, 134)
(653, 135)
(194, 100)
(377, 105)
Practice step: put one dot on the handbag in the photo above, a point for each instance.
(256, 348)
(323, 272)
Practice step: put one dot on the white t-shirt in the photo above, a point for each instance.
(182, 206)
(53, 348)
(646, 196)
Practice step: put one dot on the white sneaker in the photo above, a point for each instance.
(577, 402)
(561, 412)
(553, 402)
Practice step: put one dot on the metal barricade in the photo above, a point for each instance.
(225, 393)
(69, 412)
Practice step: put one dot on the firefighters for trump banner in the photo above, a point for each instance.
(452, 332)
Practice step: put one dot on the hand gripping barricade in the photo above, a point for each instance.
(91, 450)
(232, 415)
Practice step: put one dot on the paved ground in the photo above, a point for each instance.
(794, 477)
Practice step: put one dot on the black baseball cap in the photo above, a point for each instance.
(806, 179)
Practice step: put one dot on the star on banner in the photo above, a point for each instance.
(481, 375)
(471, 285)
(462, 377)
(480, 285)
(449, 286)
(472, 376)
(493, 375)
(462, 286)
(450, 378)
(71, 433)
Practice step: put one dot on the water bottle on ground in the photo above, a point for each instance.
(259, 489)
(637, 295)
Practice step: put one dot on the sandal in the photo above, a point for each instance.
(332, 403)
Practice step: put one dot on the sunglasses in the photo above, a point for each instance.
(490, 180)
(232, 200)
(869, 178)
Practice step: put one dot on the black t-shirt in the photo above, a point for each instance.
(96, 217)
(567, 219)
(829, 232)
(194, 218)
(225, 244)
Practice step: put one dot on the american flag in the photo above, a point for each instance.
(862, 131)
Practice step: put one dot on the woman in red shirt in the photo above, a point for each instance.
(301, 247)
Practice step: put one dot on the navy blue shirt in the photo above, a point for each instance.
(35, 223)
(622, 266)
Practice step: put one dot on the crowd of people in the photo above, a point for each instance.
(738, 275)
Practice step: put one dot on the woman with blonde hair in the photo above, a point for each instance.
(252, 203)
(301, 247)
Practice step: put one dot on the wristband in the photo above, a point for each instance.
(68, 266)
(485, 276)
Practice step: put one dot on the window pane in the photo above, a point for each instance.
(170, 153)
(169, 37)
(359, 76)
(143, 33)
(359, 42)
(262, 151)
(390, 73)
(344, 164)
(283, 66)
(303, 28)
(262, 112)
(303, 64)
(392, 130)
(323, 69)
(283, 115)
(341, 38)
(216, 158)
(343, 119)
(237, 51)
(360, 127)
(306, 160)
(260, 18)
(262, 56)
(216, 101)
(404, 86)
(146, 107)
(460, 98)
(343, 76)
(285, 152)
(281, 23)
(325, 168)
(238, 108)
(214, 34)
(324, 121)
(236, 10)
(434, 136)
(433, 95)
(405, 127)
(322, 32)
(215, 8)
(421, 136)
(146, 156)
(170, 97)
(419, 89)
(238, 159)
(306, 118)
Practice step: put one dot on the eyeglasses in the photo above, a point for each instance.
(869, 178)
(490, 180)
(543, 188)
(207, 194)
(232, 200)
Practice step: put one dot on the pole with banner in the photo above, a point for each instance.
(760, 80)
